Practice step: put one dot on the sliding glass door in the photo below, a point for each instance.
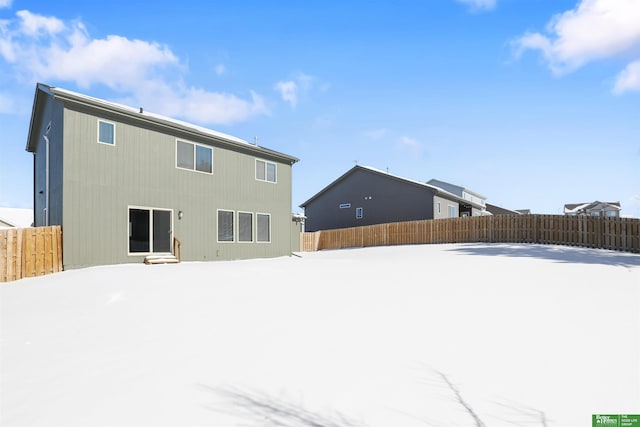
(150, 230)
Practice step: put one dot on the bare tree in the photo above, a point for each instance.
(461, 401)
(279, 412)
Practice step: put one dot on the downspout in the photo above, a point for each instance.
(46, 186)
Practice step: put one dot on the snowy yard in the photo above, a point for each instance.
(527, 334)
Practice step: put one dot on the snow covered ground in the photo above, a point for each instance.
(524, 334)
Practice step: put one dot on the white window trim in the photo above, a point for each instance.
(454, 211)
(233, 235)
(253, 225)
(150, 209)
(263, 241)
(439, 206)
(265, 171)
(114, 133)
(194, 156)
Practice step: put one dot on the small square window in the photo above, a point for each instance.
(266, 171)
(106, 132)
(359, 213)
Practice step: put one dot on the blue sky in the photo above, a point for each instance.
(532, 103)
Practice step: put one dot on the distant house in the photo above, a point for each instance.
(473, 204)
(15, 218)
(605, 209)
(366, 196)
(123, 183)
(497, 210)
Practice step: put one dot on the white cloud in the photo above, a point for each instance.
(377, 134)
(220, 69)
(410, 142)
(411, 145)
(5, 4)
(301, 85)
(288, 91)
(33, 25)
(628, 79)
(479, 5)
(45, 48)
(593, 30)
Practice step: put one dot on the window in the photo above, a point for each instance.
(439, 207)
(194, 156)
(150, 230)
(612, 213)
(595, 213)
(225, 226)
(106, 132)
(245, 227)
(359, 213)
(264, 228)
(266, 171)
(452, 211)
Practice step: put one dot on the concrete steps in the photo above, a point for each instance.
(160, 259)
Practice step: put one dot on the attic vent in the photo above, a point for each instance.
(48, 127)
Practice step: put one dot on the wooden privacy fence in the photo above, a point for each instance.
(620, 234)
(30, 252)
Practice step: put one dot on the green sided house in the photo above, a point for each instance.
(124, 184)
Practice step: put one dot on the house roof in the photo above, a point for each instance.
(583, 207)
(439, 191)
(138, 114)
(453, 188)
(497, 210)
(16, 217)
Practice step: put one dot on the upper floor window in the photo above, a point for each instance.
(194, 156)
(359, 213)
(266, 171)
(452, 211)
(611, 213)
(106, 132)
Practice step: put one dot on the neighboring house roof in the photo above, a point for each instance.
(453, 188)
(139, 114)
(524, 211)
(576, 208)
(497, 210)
(16, 218)
(439, 191)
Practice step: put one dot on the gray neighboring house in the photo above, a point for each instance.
(497, 210)
(473, 204)
(367, 196)
(606, 209)
(123, 183)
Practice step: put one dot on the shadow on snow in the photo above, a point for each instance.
(563, 254)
